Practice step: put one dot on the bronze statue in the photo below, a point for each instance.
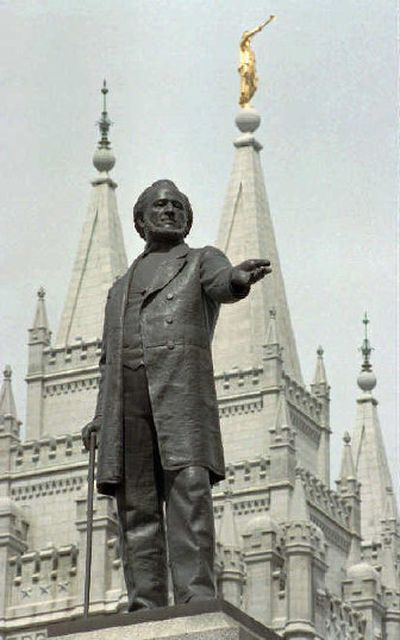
(247, 66)
(157, 414)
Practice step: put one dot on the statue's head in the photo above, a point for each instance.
(162, 213)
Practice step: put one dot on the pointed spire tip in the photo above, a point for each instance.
(298, 509)
(272, 332)
(103, 158)
(367, 379)
(40, 321)
(366, 348)
(228, 534)
(7, 403)
(320, 373)
(346, 437)
(7, 372)
(347, 469)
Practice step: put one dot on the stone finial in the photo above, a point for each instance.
(104, 122)
(7, 402)
(347, 469)
(282, 418)
(298, 504)
(7, 372)
(40, 320)
(228, 535)
(272, 332)
(354, 557)
(390, 510)
(248, 120)
(389, 574)
(320, 373)
(366, 348)
(103, 158)
(367, 379)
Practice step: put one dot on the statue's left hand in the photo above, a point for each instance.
(250, 271)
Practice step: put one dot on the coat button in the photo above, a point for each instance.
(170, 344)
(170, 296)
(169, 320)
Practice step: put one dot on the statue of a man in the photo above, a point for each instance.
(157, 415)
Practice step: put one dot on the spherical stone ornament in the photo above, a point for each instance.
(103, 160)
(366, 380)
(262, 523)
(362, 571)
(247, 120)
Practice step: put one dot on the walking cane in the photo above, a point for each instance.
(89, 515)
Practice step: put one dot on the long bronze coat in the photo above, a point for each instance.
(178, 316)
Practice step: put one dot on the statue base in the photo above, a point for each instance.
(201, 620)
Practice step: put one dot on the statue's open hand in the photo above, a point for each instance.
(250, 271)
(86, 434)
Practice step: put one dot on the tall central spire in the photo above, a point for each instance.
(246, 231)
(101, 256)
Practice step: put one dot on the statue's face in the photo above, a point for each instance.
(165, 216)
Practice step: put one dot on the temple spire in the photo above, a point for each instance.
(390, 577)
(347, 470)
(7, 402)
(354, 557)
(228, 534)
(368, 448)
(272, 332)
(40, 321)
(246, 231)
(320, 373)
(40, 333)
(101, 256)
(298, 504)
(389, 522)
(282, 418)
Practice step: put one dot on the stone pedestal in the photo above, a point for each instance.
(207, 620)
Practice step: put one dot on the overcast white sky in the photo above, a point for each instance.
(328, 99)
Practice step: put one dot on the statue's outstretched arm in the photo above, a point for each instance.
(250, 34)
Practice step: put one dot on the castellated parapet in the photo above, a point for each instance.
(40, 577)
(47, 453)
(325, 500)
(248, 404)
(65, 371)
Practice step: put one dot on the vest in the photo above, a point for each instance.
(132, 350)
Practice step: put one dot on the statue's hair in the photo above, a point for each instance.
(142, 201)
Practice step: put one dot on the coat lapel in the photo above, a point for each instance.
(168, 269)
(125, 282)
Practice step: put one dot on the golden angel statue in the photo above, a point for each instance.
(247, 67)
